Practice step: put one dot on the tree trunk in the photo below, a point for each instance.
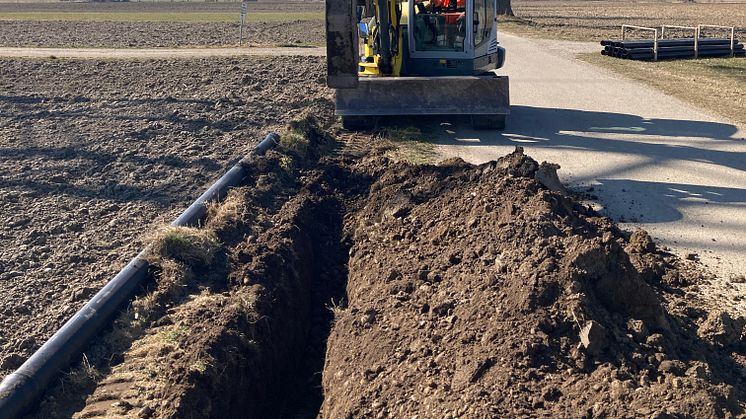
(504, 8)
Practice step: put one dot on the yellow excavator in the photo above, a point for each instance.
(416, 58)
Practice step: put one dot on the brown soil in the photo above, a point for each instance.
(431, 291)
(477, 292)
(93, 153)
(161, 7)
(125, 34)
(62, 34)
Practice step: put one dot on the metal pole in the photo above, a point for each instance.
(732, 41)
(655, 46)
(244, 9)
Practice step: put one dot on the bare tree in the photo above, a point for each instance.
(504, 8)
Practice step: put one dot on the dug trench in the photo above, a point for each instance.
(340, 285)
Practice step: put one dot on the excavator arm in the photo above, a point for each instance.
(341, 45)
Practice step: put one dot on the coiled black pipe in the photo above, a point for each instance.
(20, 389)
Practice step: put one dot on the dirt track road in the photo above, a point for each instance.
(652, 160)
(159, 52)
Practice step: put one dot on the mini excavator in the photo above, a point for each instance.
(415, 58)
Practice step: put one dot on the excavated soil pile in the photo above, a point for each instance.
(474, 291)
(362, 287)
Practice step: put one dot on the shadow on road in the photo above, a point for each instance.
(616, 145)
(660, 202)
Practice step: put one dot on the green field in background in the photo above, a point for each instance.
(162, 16)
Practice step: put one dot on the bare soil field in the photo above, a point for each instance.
(596, 20)
(158, 7)
(94, 153)
(137, 25)
(346, 284)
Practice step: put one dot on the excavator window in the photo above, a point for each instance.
(440, 25)
(484, 10)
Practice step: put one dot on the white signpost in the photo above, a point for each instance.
(244, 9)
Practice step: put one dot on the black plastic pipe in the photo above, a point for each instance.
(663, 50)
(690, 54)
(648, 43)
(667, 51)
(22, 388)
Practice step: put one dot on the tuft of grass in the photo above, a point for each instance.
(83, 376)
(173, 334)
(245, 302)
(228, 212)
(410, 144)
(295, 142)
(287, 164)
(199, 366)
(191, 246)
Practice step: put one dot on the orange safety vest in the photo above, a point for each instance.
(444, 3)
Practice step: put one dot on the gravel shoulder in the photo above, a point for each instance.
(96, 153)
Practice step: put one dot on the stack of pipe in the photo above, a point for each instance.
(642, 49)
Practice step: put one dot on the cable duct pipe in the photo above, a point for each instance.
(20, 389)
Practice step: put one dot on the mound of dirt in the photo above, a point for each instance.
(475, 291)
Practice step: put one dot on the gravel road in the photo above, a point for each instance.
(96, 153)
(650, 160)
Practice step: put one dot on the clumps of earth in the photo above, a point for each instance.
(477, 291)
(344, 286)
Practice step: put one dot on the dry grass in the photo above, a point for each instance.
(191, 246)
(409, 143)
(228, 212)
(596, 20)
(295, 142)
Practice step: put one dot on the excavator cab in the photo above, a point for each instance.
(417, 57)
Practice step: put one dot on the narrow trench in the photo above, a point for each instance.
(287, 382)
(327, 287)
